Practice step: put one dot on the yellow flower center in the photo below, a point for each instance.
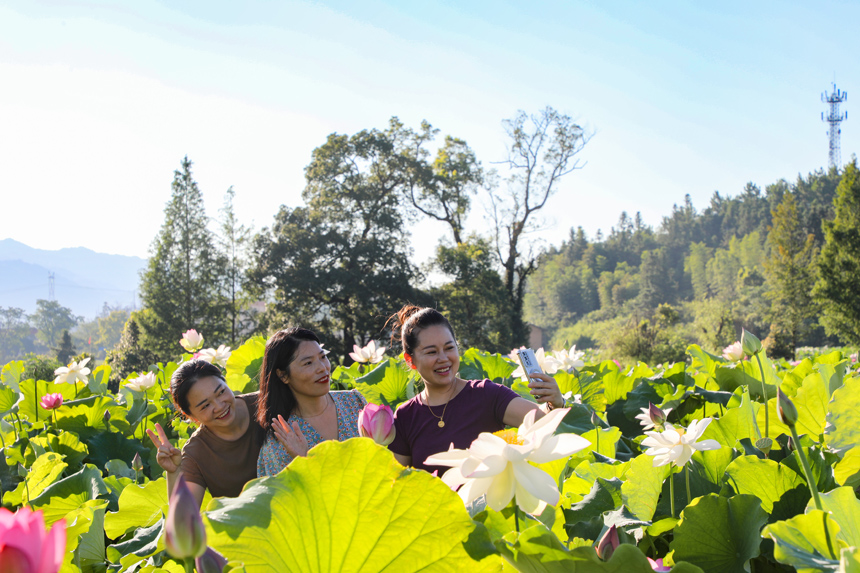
(510, 436)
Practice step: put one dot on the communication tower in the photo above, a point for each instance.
(50, 286)
(834, 118)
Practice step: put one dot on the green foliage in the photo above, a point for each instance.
(839, 263)
(180, 288)
(130, 355)
(51, 319)
(65, 350)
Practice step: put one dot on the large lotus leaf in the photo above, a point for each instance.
(45, 470)
(605, 495)
(576, 421)
(703, 361)
(32, 392)
(844, 508)
(347, 506)
(389, 383)
(146, 541)
(833, 373)
(11, 374)
(589, 385)
(603, 441)
(139, 506)
(537, 550)
(86, 419)
(66, 444)
(643, 394)
(70, 493)
(847, 470)
(243, 366)
(811, 403)
(793, 379)
(806, 541)
(719, 535)
(105, 446)
(591, 471)
(8, 398)
(821, 463)
(735, 425)
(91, 546)
(642, 488)
(98, 379)
(778, 487)
(616, 385)
(710, 467)
(477, 365)
(843, 417)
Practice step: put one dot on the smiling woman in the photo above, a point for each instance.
(221, 455)
(295, 403)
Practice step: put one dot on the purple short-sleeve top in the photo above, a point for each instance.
(479, 407)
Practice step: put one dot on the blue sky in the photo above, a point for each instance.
(101, 100)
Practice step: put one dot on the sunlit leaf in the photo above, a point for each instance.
(643, 485)
(806, 541)
(243, 366)
(843, 417)
(139, 506)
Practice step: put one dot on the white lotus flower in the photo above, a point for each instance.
(213, 356)
(72, 373)
(141, 383)
(368, 354)
(498, 464)
(676, 445)
(191, 340)
(569, 359)
(733, 352)
(547, 363)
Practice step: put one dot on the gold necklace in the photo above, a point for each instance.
(316, 415)
(441, 423)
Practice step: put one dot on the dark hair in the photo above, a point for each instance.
(276, 397)
(410, 320)
(186, 376)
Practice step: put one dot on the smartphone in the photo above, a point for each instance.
(529, 361)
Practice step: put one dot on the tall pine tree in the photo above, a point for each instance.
(181, 287)
(839, 264)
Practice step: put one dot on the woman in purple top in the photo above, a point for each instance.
(451, 410)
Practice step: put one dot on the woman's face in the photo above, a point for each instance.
(436, 356)
(211, 403)
(309, 372)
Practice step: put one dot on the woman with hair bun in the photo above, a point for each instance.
(221, 455)
(296, 405)
(451, 410)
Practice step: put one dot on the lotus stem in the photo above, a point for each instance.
(146, 413)
(516, 517)
(764, 394)
(672, 494)
(813, 487)
(597, 439)
(687, 477)
(189, 564)
(36, 397)
(76, 389)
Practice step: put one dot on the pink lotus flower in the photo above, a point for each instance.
(184, 535)
(377, 422)
(608, 543)
(25, 546)
(210, 562)
(657, 565)
(51, 401)
(191, 341)
(733, 352)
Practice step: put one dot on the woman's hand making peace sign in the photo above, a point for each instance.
(168, 457)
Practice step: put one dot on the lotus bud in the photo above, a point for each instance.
(191, 341)
(377, 422)
(51, 401)
(210, 562)
(733, 352)
(658, 416)
(137, 463)
(595, 419)
(106, 416)
(184, 534)
(785, 409)
(608, 543)
(749, 343)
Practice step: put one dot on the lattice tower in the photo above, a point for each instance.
(834, 118)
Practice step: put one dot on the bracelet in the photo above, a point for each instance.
(549, 407)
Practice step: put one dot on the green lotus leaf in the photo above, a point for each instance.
(719, 535)
(11, 374)
(66, 444)
(843, 417)
(70, 493)
(608, 438)
(88, 419)
(44, 471)
(702, 360)
(792, 379)
(98, 380)
(821, 464)
(537, 550)
(833, 373)
(771, 482)
(32, 392)
(477, 365)
(844, 508)
(709, 467)
(591, 471)
(146, 541)
(91, 544)
(605, 495)
(139, 506)
(811, 403)
(243, 366)
(8, 399)
(616, 385)
(389, 383)
(105, 446)
(847, 470)
(643, 394)
(806, 541)
(347, 506)
(735, 425)
(641, 490)
(589, 385)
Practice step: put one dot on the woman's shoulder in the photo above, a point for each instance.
(348, 398)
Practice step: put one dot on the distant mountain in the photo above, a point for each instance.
(83, 279)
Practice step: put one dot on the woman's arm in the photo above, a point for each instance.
(405, 461)
(170, 459)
